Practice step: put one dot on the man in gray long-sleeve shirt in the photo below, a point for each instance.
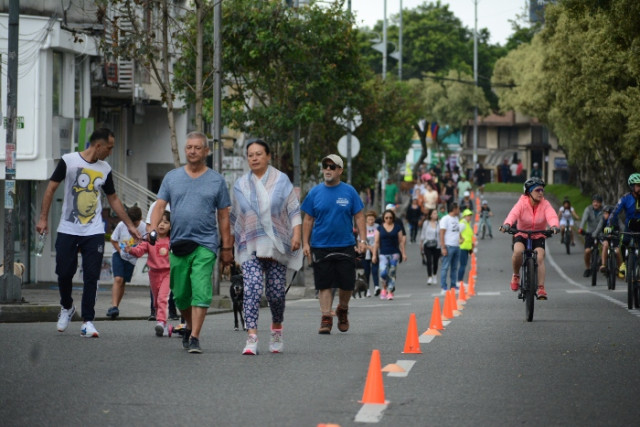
(590, 217)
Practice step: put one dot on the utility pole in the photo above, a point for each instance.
(475, 80)
(10, 290)
(400, 45)
(217, 106)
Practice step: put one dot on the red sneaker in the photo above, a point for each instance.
(542, 294)
(515, 282)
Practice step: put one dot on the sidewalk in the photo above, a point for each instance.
(41, 302)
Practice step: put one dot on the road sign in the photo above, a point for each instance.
(342, 146)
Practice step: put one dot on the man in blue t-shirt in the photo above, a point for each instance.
(198, 196)
(328, 241)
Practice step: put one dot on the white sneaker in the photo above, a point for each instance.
(430, 281)
(160, 329)
(368, 293)
(276, 343)
(64, 317)
(88, 330)
(251, 348)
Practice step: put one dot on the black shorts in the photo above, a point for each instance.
(536, 243)
(334, 268)
(588, 240)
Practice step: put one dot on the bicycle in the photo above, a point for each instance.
(632, 275)
(529, 275)
(595, 260)
(484, 227)
(566, 238)
(611, 266)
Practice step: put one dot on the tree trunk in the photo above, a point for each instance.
(199, 59)
(166, 78)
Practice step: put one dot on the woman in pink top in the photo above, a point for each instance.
(158, 262)
(531, 212)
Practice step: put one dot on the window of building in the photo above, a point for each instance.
(507, 137)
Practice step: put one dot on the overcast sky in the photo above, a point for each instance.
(492, 14)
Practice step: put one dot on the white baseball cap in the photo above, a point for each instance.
(335, 159)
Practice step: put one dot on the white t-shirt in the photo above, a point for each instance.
(82, 207)
(121, 236)
(451, 225)
(153, 205)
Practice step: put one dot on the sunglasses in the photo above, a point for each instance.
(539, 190)
(388, 217)
(327, 166)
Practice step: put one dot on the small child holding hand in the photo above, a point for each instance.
(158, 262)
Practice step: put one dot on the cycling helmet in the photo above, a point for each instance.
(608, 209)
(532, 182)
(634, 178)
(596, 197)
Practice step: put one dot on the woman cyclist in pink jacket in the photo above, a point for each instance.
(531, 212)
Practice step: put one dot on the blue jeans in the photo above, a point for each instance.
(370, 269)
(464, 257)
(450, 262)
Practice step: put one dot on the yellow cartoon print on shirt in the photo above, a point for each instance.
(85, 195)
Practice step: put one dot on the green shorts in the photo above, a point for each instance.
(191, 278)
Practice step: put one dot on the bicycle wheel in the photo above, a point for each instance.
(595, 264)
(636, 285)
(612, 269)
(631, 267)
(530, 287)
(567, 240)
(484, 229)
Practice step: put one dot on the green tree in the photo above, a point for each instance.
(580, 75)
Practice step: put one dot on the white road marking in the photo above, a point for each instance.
(404, 364)
(370, 413)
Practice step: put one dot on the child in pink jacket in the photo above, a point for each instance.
(531, 212)
(158, 262)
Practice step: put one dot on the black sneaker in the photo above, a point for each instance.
(194, 345)
(185, 338)
(113, 312)
(587, 273)
(152, 316)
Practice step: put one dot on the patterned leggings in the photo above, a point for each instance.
(256, 272)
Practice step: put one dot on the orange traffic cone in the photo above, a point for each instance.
(447, 311)
(412, 343)
(475, 228)
(454, 304)
(374, 388)
(472, 285)
(462, 296)
(435, 324)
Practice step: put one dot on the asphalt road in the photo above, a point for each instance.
(575, 364)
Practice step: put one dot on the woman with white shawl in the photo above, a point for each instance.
(267, 226)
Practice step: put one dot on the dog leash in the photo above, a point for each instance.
(295, 273)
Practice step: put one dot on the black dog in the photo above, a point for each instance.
(236, 292)
(360, 286)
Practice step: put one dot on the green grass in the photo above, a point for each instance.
(555, 193)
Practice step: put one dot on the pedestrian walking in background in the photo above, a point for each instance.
(388, 252)
(158, 262)
(198, 196)
(122, 263)
(267, 229)
(430, 245)
(450, 247)
(81, 228)
(391, 192)
(466, 243)
(328, 240)
(413, 216)
(371, 269)
(485, 218)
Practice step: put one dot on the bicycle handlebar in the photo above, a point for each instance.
(547, 233)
